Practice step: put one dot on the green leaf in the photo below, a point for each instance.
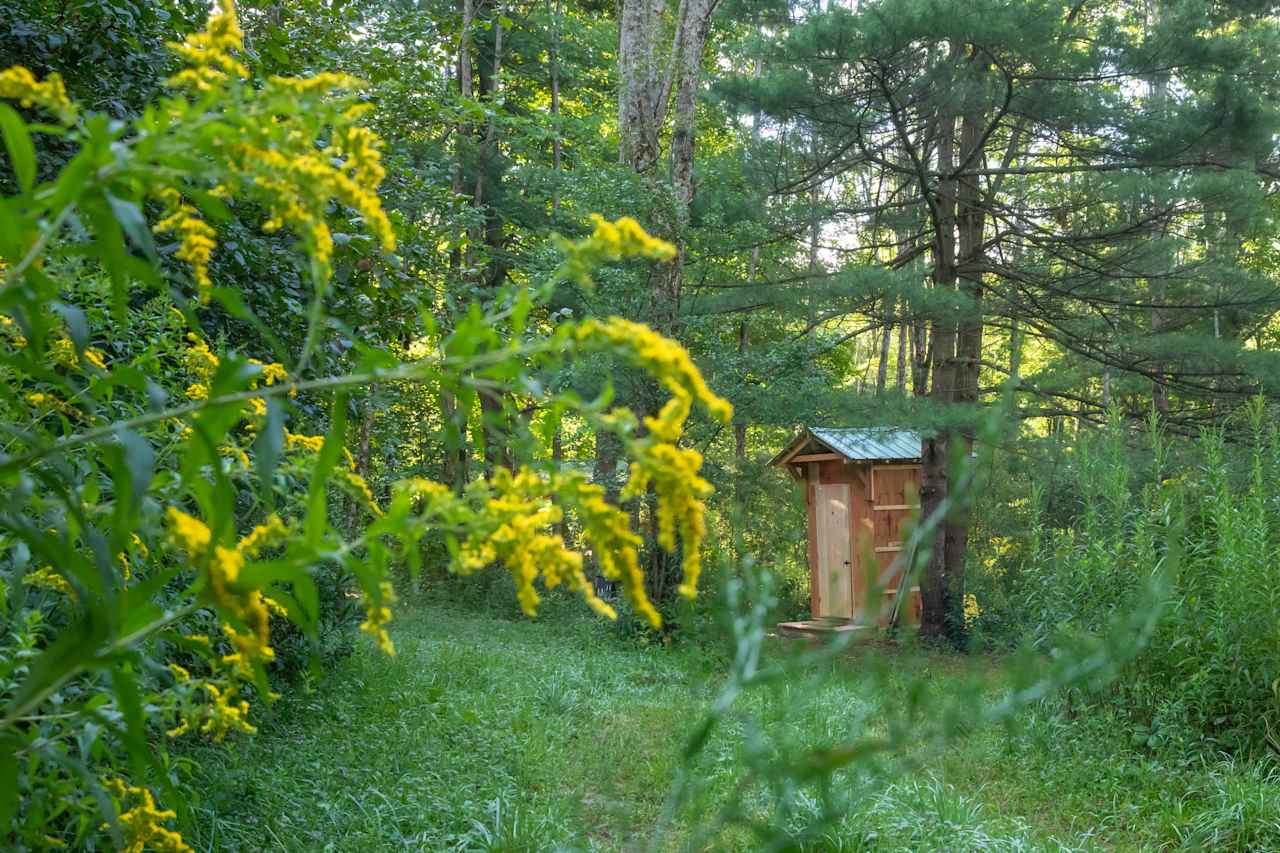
(317, 513)
(268, 448)
(130, 217)
(17, 141)
(8, 779)
(130, 703)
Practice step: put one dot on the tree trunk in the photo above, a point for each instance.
(886, 336)
(935, 584)
(641, 101)
(903, 332)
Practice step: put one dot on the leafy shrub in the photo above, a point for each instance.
(168, 529)
(1210, 526)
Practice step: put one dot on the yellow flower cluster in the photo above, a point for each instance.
(657, 458)
(225, 714)
(616, 546)
(673, 471)
(971, 610)
(625, 238)
(357, 486)
(271, 152)
(265, 535)
(318, 84)
(611, 241)
(223, 575)
(662, 358)
(297, 191)
(143, 824)
(234, 451)
(274, 607)
(200, 359)
(208, 53)
(197, 391)
(46, 578)
(142, 550)
(273, 373)
(19, 84)
(296, 441)
(63, 352)
(191, 533)
(378, 614)
(197, 240)
(515, 527)
(12, 331)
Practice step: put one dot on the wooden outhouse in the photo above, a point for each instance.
(862, 487)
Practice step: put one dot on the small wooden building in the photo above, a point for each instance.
(862, 486)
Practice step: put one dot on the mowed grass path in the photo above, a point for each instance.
(488, 734)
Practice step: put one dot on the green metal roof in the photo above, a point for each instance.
(863, 443)
(871, 442)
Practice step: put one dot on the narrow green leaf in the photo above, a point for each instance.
(22, 151)
(268, 447)
(130, 217)
(317, 505)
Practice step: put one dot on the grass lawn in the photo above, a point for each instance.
(487, 734)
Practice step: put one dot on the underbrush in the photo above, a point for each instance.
(1122, 514)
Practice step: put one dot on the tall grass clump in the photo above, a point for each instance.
(1203, 515)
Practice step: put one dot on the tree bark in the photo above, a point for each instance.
(935, 584)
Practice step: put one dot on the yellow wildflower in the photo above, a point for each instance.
(11, 328)
(226, 714)
(274, 607)
(298, 190)
(63, 352)
(264, 535)
(140, 545)
(658, 461)
(250, 645)
(516, 528)
(190, 532)
(197, 241)
(378, 615)
(294, 441)
(616, 546)
(37, 398)
(197, 391)
(971, 610)
(208, 53)
(625, 238)
(235, 451)
(95, 357)
(664, 359)
(19, 84)
(223, 575)
(273, 373)
(143, 824)
(361, 489)
(200, 359)
(46, 578)
(180, 673)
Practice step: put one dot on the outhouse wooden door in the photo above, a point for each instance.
(834, 550)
